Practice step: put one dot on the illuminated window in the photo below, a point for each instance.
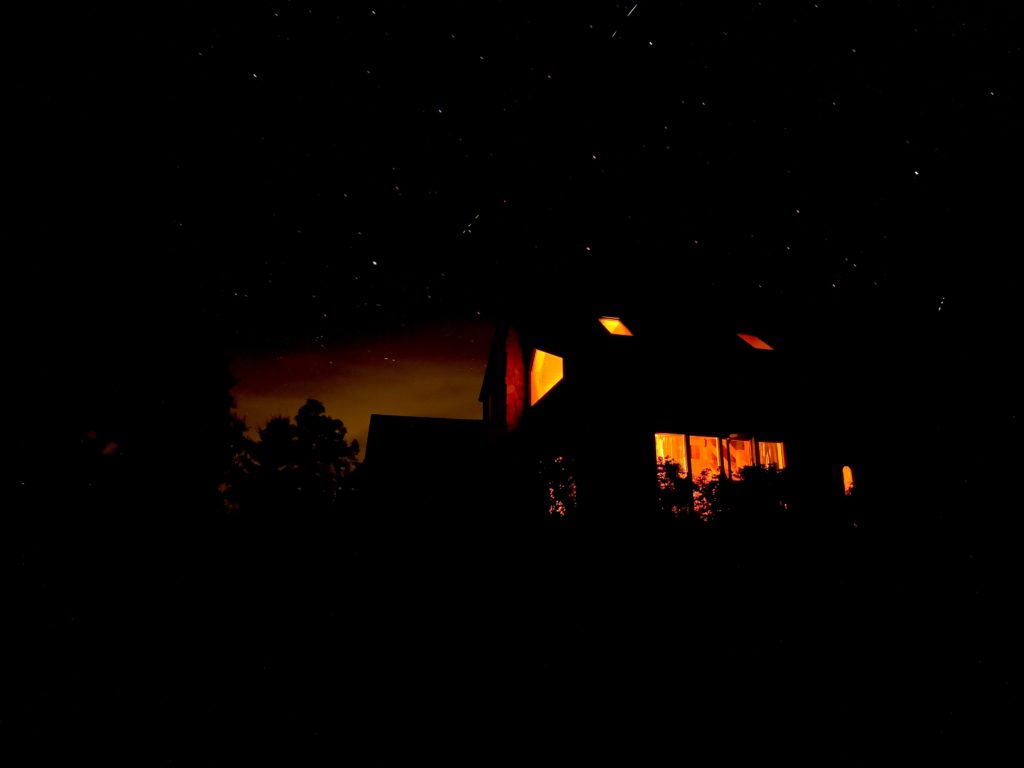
(753, 341)
(771, 455)
(704, 457)
(545, 372)
(615, 326)
(847, 481)
(740, 454)
(672, 448)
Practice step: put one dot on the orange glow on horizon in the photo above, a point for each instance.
(440, 364)
(615, 326)
(545, 372)
(753, 341)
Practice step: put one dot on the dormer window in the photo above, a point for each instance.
(614, 326)
(545, 372)
(753, 341)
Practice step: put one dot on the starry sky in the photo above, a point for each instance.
(312, 186)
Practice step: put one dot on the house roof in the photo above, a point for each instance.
(704, 327)
(698, 358)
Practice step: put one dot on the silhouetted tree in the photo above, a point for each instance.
(325, 456)
(758, 499)
(302, 465)
(675, 492)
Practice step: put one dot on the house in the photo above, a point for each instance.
(583, 408)
(598, 401)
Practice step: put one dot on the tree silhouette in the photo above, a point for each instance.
(675, 491)
(325, 458)
(303, 465)
(758, 500)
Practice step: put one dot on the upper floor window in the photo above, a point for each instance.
(545, 372)
(615, 326)
(754, 341)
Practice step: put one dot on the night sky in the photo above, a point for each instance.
(338, 201)
(321, 183)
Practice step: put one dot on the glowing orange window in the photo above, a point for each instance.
(615, 326)
(705, 461)
(771, 455)
(755, 342)
(545, 372)
(740, 454)
(672, 448)
(848, 481)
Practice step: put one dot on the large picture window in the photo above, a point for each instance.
(701, 456)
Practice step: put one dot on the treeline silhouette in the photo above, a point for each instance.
(302, 468)
(197, 586)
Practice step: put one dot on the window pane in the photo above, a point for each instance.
(741, 454)
(771, 455)
(704, 457)
(545, 372)
(670, 447)
(614, 326)
(753, 341)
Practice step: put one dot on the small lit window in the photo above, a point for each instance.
(771, 455)
(615, 326)
(753, 341)
(847, 481)
(545, 372)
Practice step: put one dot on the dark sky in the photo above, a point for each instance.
(266, 178)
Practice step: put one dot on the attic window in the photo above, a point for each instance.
(545, 372)
(753, 341)
(614, 326)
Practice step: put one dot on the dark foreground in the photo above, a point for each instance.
(310, 644)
